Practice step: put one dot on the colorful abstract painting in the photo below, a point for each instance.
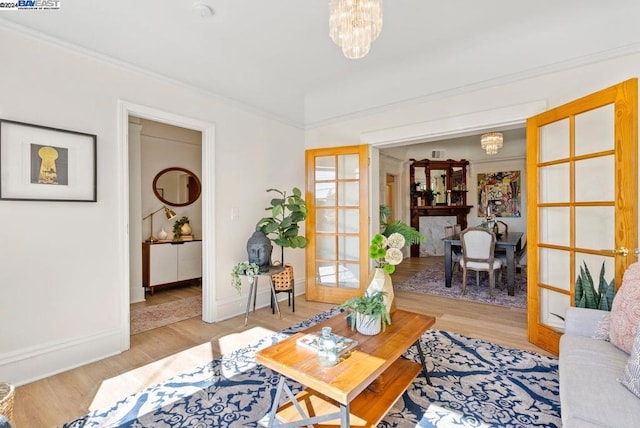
(499, 194)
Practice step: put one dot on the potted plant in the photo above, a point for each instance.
(282, 226)
(181, 227)
(586, 295)
(431, 196)
(243, 268)
(370, 314)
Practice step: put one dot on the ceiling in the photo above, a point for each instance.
(276, 57)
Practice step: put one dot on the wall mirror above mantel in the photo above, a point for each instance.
(438, 188)
(177, 186)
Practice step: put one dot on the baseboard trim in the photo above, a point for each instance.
(37, 362)
(230, 308)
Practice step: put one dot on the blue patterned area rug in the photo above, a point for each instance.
(475, 384)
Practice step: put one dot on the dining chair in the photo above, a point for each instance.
(478, 255)
(502, 227)
(519, 259)
(456, 252)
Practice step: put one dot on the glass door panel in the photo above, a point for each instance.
(550, 177)
(326, 248)
(348, 220)
(554, 141)
(595, 131)
(348, 194)
(348, 248)
(594, 181)
(327, 274)
(326, 220)
(325, 168)
(325, 194)
(582, 158)
(595, 228)
(348, 167)
(553, 307)
(348, 275)
(555, 226)
(555, 268)
(337, 223)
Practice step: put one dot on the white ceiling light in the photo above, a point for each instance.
(491, 142)
(354, 25)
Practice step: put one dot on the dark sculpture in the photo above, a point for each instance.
(259, 250)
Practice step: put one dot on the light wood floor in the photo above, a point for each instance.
(158, 354)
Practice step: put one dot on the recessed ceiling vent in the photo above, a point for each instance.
(437, 154)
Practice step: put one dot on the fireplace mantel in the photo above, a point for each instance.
(459, 211)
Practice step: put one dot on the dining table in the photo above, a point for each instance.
(510, 242)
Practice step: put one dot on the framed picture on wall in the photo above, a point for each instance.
(40, 163)
(499, 194)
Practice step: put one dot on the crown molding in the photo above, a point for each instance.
(569, 64)
(303, 125)
(71, 47)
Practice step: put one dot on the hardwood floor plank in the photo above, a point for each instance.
(57, 399)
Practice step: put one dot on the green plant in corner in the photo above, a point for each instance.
(282, 226)
(243, 268)
(586, 296)
(368, 305)
(411, 235)
(177, 228)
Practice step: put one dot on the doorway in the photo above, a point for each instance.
(390, 196)
(131, 226)
(165, 163)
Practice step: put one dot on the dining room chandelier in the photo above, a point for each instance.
(354, 25)
(491, 142)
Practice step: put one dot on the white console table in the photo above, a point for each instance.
(171, 263)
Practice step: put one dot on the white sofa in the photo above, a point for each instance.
(590, 393)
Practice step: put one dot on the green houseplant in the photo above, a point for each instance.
(369, 312)
(243, 268)
(177, 228)
(586, 296)
(411, 235)
(282, 226)
(431, 195)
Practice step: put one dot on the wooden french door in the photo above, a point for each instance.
(582, 201)
(337, 255)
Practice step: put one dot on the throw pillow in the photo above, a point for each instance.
(631, 376)
(625, 310)
(603, 329)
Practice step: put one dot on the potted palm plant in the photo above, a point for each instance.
(369, 313)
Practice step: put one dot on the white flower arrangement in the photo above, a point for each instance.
(387, 251)
(250, 270)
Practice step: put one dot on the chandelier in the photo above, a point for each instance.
(491, 142)
(354, 25)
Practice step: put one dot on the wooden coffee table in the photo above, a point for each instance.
(361, 388)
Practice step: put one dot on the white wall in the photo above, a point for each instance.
(61, 265)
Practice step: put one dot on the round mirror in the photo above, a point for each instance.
(176, 186)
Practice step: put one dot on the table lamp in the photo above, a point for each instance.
(169, 213)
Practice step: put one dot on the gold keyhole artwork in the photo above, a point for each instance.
(48, 173)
